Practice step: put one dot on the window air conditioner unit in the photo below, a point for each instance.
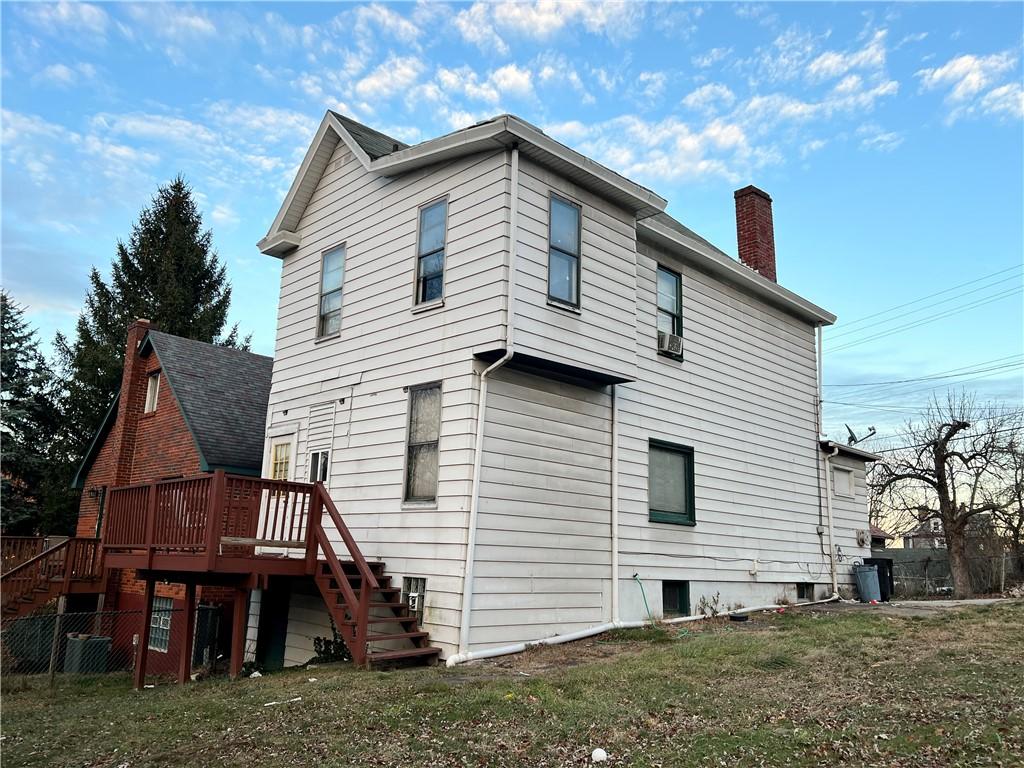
(670, 344)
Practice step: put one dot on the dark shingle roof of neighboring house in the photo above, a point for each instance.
(222, 394)
(374, 143)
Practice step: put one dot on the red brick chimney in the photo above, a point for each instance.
(755, 232)
(131, 401)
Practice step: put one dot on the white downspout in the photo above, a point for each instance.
(615, 505)
(828, 474)
(474, 502)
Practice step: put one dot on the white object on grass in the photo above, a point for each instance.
(599, 755)
(256, 673)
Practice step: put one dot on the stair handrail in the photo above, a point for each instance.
(368, 582)
(27, 581)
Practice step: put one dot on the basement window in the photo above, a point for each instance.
(414, 591)
(160, 624)
(675, 599)
(804, 591)
(152, 391)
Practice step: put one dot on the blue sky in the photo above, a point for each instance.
(889, 135)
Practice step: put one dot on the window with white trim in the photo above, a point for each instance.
(160, 624)
(319, 466)
(430, 253)
(670, 304)
(152, 392)
(421, 451)
(332, 275)
(842, 482)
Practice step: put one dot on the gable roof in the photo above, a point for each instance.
(376, 151)
(222, 394)
(374, 143)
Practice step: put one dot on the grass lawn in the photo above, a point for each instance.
(804, 688)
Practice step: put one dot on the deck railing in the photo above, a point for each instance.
(212, 514)
(15, 550)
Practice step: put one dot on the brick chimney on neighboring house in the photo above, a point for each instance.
(131, 401)
(755, 233)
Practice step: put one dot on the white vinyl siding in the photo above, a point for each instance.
(542, 555)
(361, 378)
(601, 336)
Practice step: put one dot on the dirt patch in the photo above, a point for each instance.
(906, 609)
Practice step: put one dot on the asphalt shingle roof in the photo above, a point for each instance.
(374, 143)
(223, 395)
(671, 223)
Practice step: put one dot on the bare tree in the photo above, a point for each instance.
(953, 468)
(1011, 516)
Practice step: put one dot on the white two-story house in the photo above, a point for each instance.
(542, 401)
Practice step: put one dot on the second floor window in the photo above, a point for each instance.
(430, 253)
(332, 274)
(564, 253)
(319, 466)
(152, 392)
(424, 430)
(670, 305)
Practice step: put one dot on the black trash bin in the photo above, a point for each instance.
(886, 583)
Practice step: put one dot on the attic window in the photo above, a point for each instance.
(152, 391)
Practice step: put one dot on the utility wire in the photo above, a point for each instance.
(931, 377)
(926, 306)
(929, 319)
(955, 437)
(929, 296)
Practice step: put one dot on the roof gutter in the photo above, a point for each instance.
(502, 131)
(481, 413)
(719, 264)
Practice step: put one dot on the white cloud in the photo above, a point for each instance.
(386, 20)
(72, 16)
(832, 64)
(474, 24)
(63, 76)
(512, 80)
(808, 148)
(712, 57)
(709, 97)
(484, 23)
(139, 125)
(395, 75)
(651, 84)
(555, 68)
(175, 22)
(971, 84)
(463, 80)
(224, 215)
(1006, 100)
(875, 138)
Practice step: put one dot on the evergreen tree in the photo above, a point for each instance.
(27, 423)
(167, 272)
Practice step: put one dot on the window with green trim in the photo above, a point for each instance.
(670, 483)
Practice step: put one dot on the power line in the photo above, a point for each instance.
(929, 319)
(930, 295)
(955, 437)
(922, 309)
(953, 373)
(898, 390)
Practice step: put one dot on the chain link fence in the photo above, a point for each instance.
(103, 643)
(926, 572)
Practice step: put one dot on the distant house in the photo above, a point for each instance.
(184, 408)
(925, 535)
(879, 538)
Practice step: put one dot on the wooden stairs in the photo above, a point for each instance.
(369, 613)
(73, 566)
(392, 636)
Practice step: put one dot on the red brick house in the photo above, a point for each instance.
(184, 408)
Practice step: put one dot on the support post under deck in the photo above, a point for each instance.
(142, 651)
(238, 627)
(185, 662)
